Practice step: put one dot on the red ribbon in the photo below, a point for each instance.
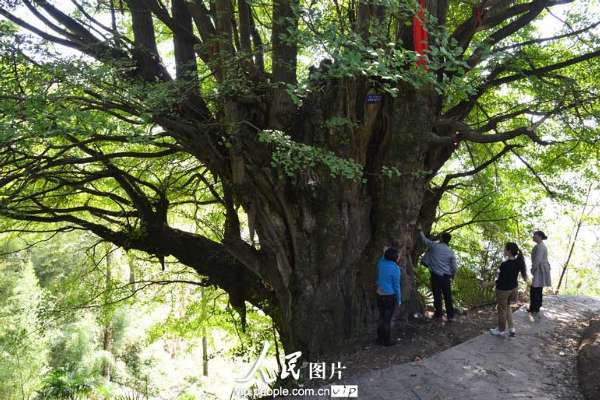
(420, 34)
(478, 16)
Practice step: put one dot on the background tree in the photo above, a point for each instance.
(314, 124)
(52, 333)
(22, 344)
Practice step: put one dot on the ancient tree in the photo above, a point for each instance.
(318, 129)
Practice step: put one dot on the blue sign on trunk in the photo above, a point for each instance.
(374, 98)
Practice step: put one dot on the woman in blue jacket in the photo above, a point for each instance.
(388, 294)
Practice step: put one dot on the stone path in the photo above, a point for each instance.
(537, 364)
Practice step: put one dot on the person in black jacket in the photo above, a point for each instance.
(505, 285)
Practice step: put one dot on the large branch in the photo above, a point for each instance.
(544, 70)
(46, 193)
(41, 33)
(538, 41)
(492, 122)
(490, 14)
(77, 33)
(504, 32)
(433, 196)
(182, 28)
(125, 180)
(185, 57)
(202, 19)
(465, 132)
(498, 13)
(244, 12)
(145, 49)
(285, 47)
(207, 257)
(257, 42)
(462, 109)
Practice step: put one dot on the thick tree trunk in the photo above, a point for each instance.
(330, 291)
(322, 236)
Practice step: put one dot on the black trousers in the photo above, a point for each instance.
(535, 298)
(386, 304)
(441, 286)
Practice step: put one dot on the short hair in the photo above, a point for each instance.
(541, 235)
(391, 254)
(445, 237)
(393, 243)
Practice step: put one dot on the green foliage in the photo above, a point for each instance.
(186, 396)
(423, 283)
(22, 343)
(583, 281)
(64, 358)
(74, 348)
(292, 157)
(339, 122)
(63, 385)
(131, 396)
(380, 56)
(470, 290)
(51, 101)
(206, 310)
(390, 172)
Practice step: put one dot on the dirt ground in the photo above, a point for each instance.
(417, 339)
(540, 363)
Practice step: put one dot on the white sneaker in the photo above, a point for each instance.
(496, 332)
(512, 332)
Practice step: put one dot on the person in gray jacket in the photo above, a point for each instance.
(540, 271)
(441, 262)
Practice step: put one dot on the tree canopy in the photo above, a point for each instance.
(239, 136)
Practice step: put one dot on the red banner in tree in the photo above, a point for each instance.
(420, 34)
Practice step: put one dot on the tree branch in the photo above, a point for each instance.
(480, 167)
(285, 48)
(465, 132)
(543, 70)
(537, 176)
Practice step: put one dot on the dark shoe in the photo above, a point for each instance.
(390, 344)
